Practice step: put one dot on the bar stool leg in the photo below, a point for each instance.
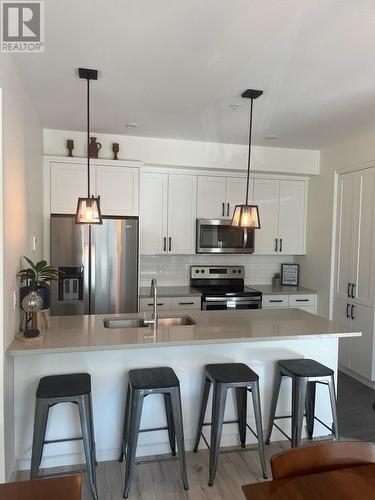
(170, 422)
(136, 406)
(310, 408)
(40, 425)
(332, 395)
(259, 427)
(299, 387)
(218, 408)
(206, 391)
(126, 425)
(85, 418)
(241, 402)
(275, 397)
(175, 398)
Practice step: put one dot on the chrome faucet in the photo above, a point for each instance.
(154, 294)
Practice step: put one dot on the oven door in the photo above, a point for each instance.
(218, 236)
(221, 303)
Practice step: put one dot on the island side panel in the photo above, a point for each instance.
(109, 371)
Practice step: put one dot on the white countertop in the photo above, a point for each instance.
(282, 290)
(87, 333)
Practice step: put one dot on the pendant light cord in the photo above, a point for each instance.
(249, 152)
(88, 137)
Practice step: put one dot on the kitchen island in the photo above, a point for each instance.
(83, 344)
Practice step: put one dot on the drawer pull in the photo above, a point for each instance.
(186, 303)
(302, 300)
(278, 300)
(161, 304)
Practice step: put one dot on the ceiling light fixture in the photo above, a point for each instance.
(248, 215)
(88, 209)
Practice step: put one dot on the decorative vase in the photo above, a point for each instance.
(115, 149)
(94, 148)
(276, 282)
(70, 147)
(42, 291)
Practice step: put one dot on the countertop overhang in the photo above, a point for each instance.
(87, 333)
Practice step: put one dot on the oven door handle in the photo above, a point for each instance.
(242, 300)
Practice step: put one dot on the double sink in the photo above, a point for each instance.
(142, 323)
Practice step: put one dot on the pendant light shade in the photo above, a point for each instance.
(247, 216)
(88, 209)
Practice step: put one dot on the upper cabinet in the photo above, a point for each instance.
(217, 196)
(167, 213)
(117, 187)
(282, 212)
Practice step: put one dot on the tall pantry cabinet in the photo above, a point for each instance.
(355, 270)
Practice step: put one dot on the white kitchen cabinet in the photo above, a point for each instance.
(118, 190)
(68, 183)
(153, 213)
(189, 303)
(217, 196)
(282, 216)
(117, 187)
(147, 304)
(306, 302)
(341, 315)
(167, 213)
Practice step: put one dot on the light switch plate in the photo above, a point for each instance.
(33, 244)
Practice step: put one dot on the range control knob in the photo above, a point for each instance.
(234, 271)
(239, 271)
(197, 271)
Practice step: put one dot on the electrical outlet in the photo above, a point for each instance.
(33, 243)
(15, 299)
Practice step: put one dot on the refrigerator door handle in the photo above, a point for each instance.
(86, 278)
(93, 275)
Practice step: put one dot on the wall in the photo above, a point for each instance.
(316, 269)
(22, 218)
(187, 153)
(173, 270)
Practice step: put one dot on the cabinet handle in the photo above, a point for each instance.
(159, 304)
(347, 310)
(275, 244)
(352, 312)
(186, 303)
(302, 300)
(348, 290)
(165, 244)
(170, 243)
(353, 290)
(227, 209)
(223, 211)
(281, 244)
(275, 300)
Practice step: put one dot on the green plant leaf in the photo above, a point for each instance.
(30, 262)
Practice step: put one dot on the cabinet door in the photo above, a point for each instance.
(363, 239)
(236, 194)
(266, 196)
(344, 247)
(211, 197)
(340, 310)
(292, 217)
(362, 347)
(118, 190)
(153, 213)
(182, 204)
(68, 183)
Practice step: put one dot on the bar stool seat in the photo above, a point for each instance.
(305, 374)
(144, 382)
(224, 376)
(56, 389)
(305, 368)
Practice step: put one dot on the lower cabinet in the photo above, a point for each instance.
(306, 302)
(171, 304)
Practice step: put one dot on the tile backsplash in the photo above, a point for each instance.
(173, 270)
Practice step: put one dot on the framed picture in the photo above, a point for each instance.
(290, 274)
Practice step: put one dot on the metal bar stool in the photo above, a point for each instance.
(305, 374)
(55, 389)
(143, 382)
(226, 376)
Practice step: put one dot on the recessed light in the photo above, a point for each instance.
(234, 106)
(270, 137)
(131, 125)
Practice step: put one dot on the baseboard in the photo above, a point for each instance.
(354, 375)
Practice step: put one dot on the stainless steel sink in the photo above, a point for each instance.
(141, 323)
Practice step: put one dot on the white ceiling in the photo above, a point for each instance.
(175, 66)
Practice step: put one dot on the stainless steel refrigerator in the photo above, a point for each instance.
(98, 265)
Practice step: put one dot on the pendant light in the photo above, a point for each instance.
(248, 215)
(88, 209)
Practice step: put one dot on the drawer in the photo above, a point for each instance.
(164, 304)
(178, 303)
(302, 300)
(269, 301)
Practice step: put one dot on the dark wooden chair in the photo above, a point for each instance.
(321, 457)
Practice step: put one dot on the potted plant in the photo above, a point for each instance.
(40, 273)
(276, 280)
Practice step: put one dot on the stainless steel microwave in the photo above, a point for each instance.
(218, 236)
